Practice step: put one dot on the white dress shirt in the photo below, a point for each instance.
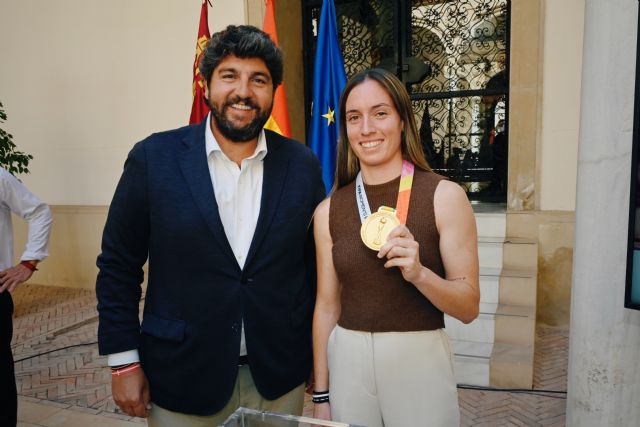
(238, 192)
(16, 198)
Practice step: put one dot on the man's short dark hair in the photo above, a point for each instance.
(243, 41)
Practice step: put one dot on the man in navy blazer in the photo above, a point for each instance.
(222, 211)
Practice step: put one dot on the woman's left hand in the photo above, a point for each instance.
(402, 251)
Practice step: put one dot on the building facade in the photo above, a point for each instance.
(82, 81)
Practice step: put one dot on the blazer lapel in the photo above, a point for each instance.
(275, 172)
(195, 169)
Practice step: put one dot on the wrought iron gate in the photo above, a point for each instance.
(453, 55)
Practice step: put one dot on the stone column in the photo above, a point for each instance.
(604, 349)
(525, 90)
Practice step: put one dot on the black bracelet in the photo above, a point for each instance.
(323, 399)
(320, 396)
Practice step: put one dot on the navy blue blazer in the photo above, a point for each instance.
(164, 210)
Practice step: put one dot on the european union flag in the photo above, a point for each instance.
(328, 80)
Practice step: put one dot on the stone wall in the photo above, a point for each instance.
(554, 232)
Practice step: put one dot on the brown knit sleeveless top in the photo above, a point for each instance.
(374, 298)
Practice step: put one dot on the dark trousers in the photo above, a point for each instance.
(8, 392)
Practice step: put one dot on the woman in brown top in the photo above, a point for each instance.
(379, 346)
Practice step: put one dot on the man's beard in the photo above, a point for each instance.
(239, 134)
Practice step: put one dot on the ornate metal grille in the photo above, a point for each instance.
(461, 106)
(366, 33)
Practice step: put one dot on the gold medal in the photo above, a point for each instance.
(377, 226)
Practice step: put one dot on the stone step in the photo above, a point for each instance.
(489, 286)
(518, 287)
(472, 370)
(471, 349)
(496, 365)
(490, 252)
(520, 254)
(511, 366)
(497, 348)
(502, 323)
(481, 330)
(515, 324)
(508, 286)
(472, 362)
(491, 224)
(509, 253)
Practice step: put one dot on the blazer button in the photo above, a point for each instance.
(235, 327)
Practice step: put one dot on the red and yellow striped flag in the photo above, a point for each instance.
(279, 120)
(199, 109)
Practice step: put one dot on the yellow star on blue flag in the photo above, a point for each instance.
(329, 116)
(328, 80)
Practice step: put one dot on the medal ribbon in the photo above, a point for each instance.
(404, 194)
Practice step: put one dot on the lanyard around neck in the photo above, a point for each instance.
(404, 194)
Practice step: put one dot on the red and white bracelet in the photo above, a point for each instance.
(116, 372)
(28, 265)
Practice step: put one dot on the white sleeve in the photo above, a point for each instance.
(25, 204)
(129, 356)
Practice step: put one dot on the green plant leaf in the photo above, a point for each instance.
(12, 160)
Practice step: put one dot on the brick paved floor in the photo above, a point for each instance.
(59, 372)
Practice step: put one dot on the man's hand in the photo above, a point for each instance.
(13, 276)
(131, 393)
(308, 388)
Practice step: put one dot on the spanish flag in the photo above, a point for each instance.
(199, 109)
(279, 120)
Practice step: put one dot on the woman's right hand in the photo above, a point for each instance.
(322, 411)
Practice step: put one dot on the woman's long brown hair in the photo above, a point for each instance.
(347, 164)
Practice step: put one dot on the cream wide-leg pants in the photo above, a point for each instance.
(392, 379)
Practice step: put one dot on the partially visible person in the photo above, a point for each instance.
(500, 151)
(16, 198)
(222, 212)
(396, 248)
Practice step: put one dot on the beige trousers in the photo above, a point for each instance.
(392, 379)
(244, 394)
